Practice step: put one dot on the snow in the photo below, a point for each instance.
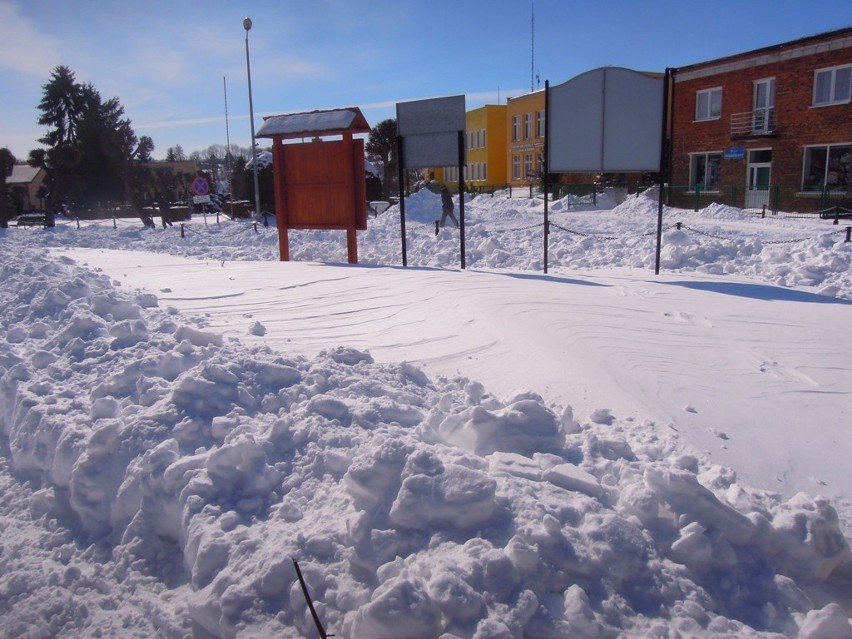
(484, 453)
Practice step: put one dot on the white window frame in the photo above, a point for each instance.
(700, 116)
(832, 86)
(528, 129)
(516, 167)
(516, 128)
(540, 124)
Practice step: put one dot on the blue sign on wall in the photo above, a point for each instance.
(734, 153)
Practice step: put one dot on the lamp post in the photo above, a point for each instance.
(247, 27)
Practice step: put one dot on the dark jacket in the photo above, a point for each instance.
(446, 199)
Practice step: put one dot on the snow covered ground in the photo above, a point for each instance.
(485, 453)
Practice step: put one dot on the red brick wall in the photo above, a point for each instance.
(798, 124)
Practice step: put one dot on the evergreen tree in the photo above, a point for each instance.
(144, 149)
(60, 106)
(381, 149)
(175, 154)
(91, 144)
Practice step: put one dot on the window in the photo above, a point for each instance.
(516, 128)
(827, 167)
(708, 104)
(516, 167)
(832, 86)
(704, 171)
(484, 171)
(540, 125)
(527, 126)
(484, 141)
(528, 167)
(470, 139)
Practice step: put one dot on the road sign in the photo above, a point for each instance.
(201, 199)
(201, 186)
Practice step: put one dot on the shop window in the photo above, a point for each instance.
(705, 171)
(827, 167)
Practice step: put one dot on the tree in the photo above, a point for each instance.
(175, 154)
(91, 144)
(58, 164)
(143, 149)
(7, 161)
(381, 149)
(106, 142)
(60, 106)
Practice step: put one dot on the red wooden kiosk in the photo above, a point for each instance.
(319, 184)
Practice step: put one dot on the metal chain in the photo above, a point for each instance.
(518, 228)
(730, 239)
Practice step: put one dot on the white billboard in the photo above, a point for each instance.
(429, 129)
(606, 120)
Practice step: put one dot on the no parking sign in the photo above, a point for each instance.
(201, 188)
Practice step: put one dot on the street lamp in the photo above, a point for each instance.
(247, 27)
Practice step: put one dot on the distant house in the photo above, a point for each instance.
(770, 127)
(24, 184)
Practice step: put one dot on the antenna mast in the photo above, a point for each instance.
(532, 48)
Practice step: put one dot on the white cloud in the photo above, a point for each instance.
(25, 49)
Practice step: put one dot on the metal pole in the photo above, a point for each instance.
(461, 195)
(247, 27)
(314, 615)
(664, 166)
(545, 181)
(401, 171)
(228, 166)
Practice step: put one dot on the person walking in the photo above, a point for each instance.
(165, 211)
(447, 207)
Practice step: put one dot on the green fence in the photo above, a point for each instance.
(775, 199)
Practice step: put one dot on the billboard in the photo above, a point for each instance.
(609, 120)
(429, 129)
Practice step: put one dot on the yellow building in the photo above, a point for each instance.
(486, 147)
(525, 138)
(485, 151)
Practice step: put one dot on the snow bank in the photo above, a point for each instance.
(505, 232)
(172, 477)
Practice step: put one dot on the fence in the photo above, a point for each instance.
(773, 199)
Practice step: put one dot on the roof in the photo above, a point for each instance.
(23, 174)
(313, 123)
(844, 34)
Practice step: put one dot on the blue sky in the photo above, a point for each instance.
(169, 62)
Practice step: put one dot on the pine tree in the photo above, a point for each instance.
(60, 106)
(381, 148)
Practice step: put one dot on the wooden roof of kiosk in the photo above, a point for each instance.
(314, 124)
(318, 184)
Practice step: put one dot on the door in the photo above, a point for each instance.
(759, 178)
(763, 108)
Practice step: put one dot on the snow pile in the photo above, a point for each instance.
(504, 232)
(170, 478)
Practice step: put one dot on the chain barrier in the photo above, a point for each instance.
(223, 236)
(518, 228)
(730, 239)
(580, 233)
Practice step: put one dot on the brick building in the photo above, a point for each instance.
(767, 127)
